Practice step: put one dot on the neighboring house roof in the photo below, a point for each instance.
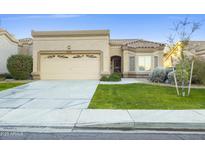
(136, 43)
(26, 41)
(20, 42)
(198, 46)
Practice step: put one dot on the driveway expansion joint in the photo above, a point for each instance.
(75, 125)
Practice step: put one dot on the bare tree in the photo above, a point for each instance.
(182, 32)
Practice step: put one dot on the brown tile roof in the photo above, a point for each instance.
(136, 43)
(121, 41)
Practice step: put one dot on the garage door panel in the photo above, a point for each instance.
(70, 68)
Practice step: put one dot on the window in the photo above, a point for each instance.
(156, 61)
(132, 63)
(144, 63)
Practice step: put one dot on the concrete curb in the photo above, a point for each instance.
(147, 126)
(106, 126)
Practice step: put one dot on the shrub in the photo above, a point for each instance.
(186, 72)
(168, 70)
(112, 77)
(170, 78)
(199, 72)
(104, 78)
(2, 77)
(7, 76)
(20, 66)
(158, 75)
(115, 77)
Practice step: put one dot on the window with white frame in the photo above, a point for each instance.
(156, 61)
(144, 63)
(132, 63)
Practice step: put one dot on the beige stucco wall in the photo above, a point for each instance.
(7, 48)
(26, 49)
(55, 44)
(203, 56)
(115, 51)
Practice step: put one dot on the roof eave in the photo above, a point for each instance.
(70, 33)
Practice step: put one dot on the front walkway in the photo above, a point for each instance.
(127, 81)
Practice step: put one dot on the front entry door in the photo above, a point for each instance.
(116, 64)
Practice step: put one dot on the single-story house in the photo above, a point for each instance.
(193, 49)
(89, 54)
(9, 45)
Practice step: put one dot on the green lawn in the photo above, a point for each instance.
(4, 86)
(143, 96)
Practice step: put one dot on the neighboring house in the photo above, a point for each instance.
(194, 48)
(9, 45)
(90, 54)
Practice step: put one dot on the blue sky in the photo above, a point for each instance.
(149, 27)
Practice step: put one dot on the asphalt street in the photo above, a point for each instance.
(103, 135)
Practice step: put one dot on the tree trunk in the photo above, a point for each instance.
(183, 79)
(175, 80)
(192, 67)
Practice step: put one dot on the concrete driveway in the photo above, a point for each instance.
(62, 94)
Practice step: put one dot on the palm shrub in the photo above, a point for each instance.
(20, 66)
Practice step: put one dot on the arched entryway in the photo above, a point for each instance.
(116, 64)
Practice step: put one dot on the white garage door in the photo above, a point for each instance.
(70, 66)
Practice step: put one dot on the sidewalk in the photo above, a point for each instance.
(68, 119)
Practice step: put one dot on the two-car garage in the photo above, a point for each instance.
(61, 66)
(70, 55)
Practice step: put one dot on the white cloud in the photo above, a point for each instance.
(54, 16)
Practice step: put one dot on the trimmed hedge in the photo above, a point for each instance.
(20, 66)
